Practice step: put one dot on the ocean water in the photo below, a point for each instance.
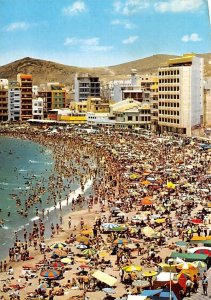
(24, 165)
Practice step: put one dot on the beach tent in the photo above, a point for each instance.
(103, 277)
(191, 257)
(165, 276)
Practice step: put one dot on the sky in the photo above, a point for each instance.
(91, 33)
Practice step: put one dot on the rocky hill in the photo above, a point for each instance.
(48, 71)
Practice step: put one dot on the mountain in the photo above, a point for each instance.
(47, 71)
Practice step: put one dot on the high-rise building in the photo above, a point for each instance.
(86, 85)
(14, 101)
(25, 81)
(180, 94)
(3, 100)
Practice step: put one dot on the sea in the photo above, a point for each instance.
(23, 164)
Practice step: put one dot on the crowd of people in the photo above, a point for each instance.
(152, 187)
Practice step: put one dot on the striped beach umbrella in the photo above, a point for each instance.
(89, 251)
(50, 273)
(121, 241)
(109, 226)
(58, 245)
(200, 264)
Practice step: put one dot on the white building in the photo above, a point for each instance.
(86, 85)
(180, 94)
(14, 101)
(37, 108)
(99, 119)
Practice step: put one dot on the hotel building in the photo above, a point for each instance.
(180, 94)
(25, 81)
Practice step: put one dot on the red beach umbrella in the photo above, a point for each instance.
(203, 251)
(196, 221)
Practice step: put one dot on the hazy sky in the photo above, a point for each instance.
(101, 32)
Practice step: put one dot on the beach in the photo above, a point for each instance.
(150, 187)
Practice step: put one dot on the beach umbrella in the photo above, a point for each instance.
(82, 260)
(104, 254)
(134, 176)
(83, 239)
(121, 241)
(50, 273)
(200, 264)
(148, 231)
(66, 260)
(60, 253)
(149, 273)
(119, 228)
(132, 268)
(87, 232)
(160, 221)
(141, 283)
(109, 225)
(145, 182)
(114, 208)
(170, 185)
(186, 266)
(109, 291)
(146, 201)
(81, 246)
(196, 221)
(84, 266)
(57, 264)
(89, 251)
(203, 251)
(58, 245)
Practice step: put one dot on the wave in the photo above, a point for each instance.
(22, 170)
(40, 162)
(72, 195)
(4, 183)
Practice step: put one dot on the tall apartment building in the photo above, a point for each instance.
(180, 94)
(54, 97)
(25, 81)
(14, 101)
(149, 84)
(4, 100)
(86, 85)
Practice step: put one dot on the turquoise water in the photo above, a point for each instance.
(23, 165)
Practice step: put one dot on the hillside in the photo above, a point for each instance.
(47, 71)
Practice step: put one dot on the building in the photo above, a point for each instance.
(3, 101)
(207, 103)
(131, 114)
(99, 119)
(25, 81)
(180, 94)
(14, 101)
(97, 105)
(37, 108)
(53, 95)
(86, 85)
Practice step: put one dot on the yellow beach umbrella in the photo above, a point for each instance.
(170, 185)
(149, 273)
(163, 220)
(132, 268)
(66, 260)
(103, 254)
(87, 232)
(148, 231)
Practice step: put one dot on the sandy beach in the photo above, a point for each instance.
(150, 190)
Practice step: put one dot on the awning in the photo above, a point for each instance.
(108, 279)
(150, 293)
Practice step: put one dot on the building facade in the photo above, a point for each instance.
(3, 103)
(86, 85)
(25, 81)
(37, 108)
(14, 101)
(180, 94)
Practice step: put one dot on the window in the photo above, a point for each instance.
(129, 118)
